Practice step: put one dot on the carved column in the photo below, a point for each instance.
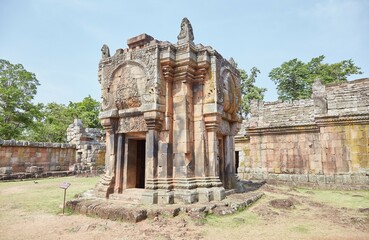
(212, 124)
(230, 178)
(182, 104)
(119, 166)
(106, 185)
(153, 122)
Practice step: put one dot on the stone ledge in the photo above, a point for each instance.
(129, 212)
(30, 175)
(15, 143)
(354, 181)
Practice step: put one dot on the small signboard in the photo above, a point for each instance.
(64, 185)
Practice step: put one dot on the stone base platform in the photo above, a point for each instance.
(130, 209)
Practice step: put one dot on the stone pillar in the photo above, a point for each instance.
(211, 124)
(153, 122)
(230, 177)
(182, 104)
(107, 182)
(120, 162)
(183, 148)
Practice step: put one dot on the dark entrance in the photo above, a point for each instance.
(136, 163)
(140, 167)
(221, 160)
(237, 161)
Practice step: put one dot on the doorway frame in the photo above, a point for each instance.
(139, 136)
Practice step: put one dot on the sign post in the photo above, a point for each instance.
(64, 186)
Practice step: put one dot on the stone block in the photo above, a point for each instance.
(34, 169)
(6, 170)
(149, 197)
(219, 193)
(205, 194)
(186, 196)
(165, 197)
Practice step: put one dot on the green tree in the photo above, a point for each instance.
(51, 125)
(17, 89)
(248, 89)
(294, 78)
(87, 110)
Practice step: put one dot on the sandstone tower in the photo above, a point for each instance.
(170, 112)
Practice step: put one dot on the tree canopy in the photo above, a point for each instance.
(54, 119)
(20, 119)
(249, 90)
(17, 89)
(294, 78)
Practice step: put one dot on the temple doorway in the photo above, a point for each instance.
(221, 160)
(136, 163)
(237, 161)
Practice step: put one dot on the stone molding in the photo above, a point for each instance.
(15, 143)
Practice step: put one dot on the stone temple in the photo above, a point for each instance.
(170, 112)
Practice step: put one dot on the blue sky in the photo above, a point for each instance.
(60, 41)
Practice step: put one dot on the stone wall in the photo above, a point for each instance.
(84, 152)
(21, 156)
(90, 147)
(323, 140)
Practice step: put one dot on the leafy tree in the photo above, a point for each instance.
(51, 125)
(294, 78)
(87, 110)
(248, 90)
(17, 89)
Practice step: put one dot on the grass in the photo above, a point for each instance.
(46, 196)
(304, 229)
(234, 220)
(347, 199)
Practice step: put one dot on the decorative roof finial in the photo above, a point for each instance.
(105, 53)
(232, 62)
(186, 34)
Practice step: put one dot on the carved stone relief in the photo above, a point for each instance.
(229, 91)
(106, 68)
(132, 124)
(146, 57)
(224, 128)
(209, 89)
(131, 82)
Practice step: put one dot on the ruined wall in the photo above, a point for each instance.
(278, 114)
(323, 140)
(20, 155)
(90, 147)
(84, 152)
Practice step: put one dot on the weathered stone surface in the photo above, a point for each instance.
(170, 113)
(34, 169)
(90, 147)
(321, 141)
(6, 170)
(135, 212)
(19, 155)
